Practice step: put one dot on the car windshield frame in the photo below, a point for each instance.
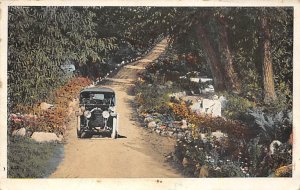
(87, 98)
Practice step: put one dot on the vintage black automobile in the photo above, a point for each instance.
(97, 112)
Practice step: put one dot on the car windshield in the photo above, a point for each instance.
(97, 98)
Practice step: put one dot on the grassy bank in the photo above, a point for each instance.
(29, 159)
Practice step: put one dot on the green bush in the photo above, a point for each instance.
(152, 97)
(236, 108)
(29, 159)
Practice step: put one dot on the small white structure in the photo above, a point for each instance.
(200, 79)
(223, 101)
(208, 89)
(195, 79)
(196, 107)
(212, 107)
(68, 67)
(208, 106)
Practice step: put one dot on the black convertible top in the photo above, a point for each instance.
(98, 89)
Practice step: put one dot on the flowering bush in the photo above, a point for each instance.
(208, 123)
(240, 152)
(50, 120)
(17, 121)
(70, 90)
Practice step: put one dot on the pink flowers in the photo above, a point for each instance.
(18, 120)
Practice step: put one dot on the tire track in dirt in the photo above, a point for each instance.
(140, 154)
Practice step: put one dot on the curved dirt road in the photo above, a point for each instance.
(138, 154)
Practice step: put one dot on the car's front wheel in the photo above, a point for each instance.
(114, 133)
(79, 133)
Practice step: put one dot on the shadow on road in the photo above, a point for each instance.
(99, 135)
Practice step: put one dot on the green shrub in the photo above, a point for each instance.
(236, 108)
(29, 159)
(152, 97)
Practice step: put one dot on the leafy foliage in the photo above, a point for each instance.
(152, 97)
(276, 126)
(244, 41)
(237, 107)
(230, 157)
(40, 40)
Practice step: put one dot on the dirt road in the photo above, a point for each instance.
(138, 154)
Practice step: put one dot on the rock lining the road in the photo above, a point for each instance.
(43, 137)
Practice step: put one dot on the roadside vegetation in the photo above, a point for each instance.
(29, 159)
(247, 52)
(60, 51)
(253, 138)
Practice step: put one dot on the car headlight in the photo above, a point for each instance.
(113, 109)
(105, 114)
(87, 114)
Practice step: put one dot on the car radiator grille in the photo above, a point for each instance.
(96, 119)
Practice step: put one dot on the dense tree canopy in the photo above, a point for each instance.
(232, 45)
(41, 39)
(231, 42)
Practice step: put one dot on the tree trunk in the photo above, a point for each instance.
(214, 62)
(268, 81)
(231, 81)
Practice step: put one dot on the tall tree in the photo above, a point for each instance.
(231, 82)
(210, 35)
(212, 57)
(268, 78)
